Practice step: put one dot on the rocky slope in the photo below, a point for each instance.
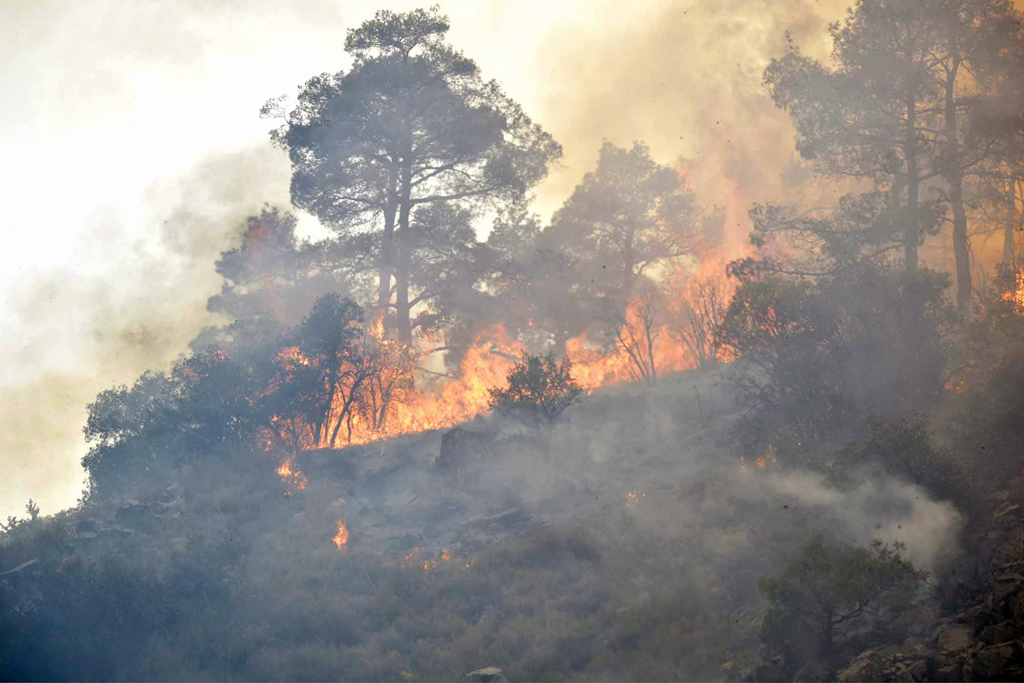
(980, 637)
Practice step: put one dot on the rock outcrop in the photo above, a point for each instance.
(984, 637)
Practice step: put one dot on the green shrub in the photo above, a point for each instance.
(539, 390)
(832, 599)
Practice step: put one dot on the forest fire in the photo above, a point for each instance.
(341, 538)
(384, 394)
(634, 497)
(769, 457)
(288, 473)
(1017, 295)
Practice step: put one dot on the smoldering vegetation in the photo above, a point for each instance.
(611, 446)
(589, 551)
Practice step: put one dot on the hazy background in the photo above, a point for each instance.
(133, 149)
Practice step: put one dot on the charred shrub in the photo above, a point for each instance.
(985, 389)
(539, 390)
(822, 354)
(904, 448)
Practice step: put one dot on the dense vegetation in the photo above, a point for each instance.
(796, 498)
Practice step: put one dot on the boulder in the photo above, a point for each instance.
(770, 672)
(998, 633)
(869, 665)
(952, 638)
(1015, 604)
(489, 674)
(993, 661)
(975, 616)
(461, 448)
(949, 673)
(913, 646)
(912, 671)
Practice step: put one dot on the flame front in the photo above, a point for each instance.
(402, 400)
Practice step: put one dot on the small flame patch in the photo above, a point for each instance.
(341, 538)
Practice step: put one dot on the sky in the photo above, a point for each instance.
(132, 151)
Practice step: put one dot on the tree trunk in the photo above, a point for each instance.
(954, 178)
(1011, 221)
(387, 249)
(404, 252)
(911, 231)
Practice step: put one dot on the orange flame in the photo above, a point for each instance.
(1017, 295)
(293, 476)
(341, 538)
(403, 406)
(769, 456)
(633, 497)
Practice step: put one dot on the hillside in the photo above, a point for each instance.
(626, 543)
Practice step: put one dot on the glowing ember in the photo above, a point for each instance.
(768, 457)
(446, 554)
(634, 496)
(341, 538)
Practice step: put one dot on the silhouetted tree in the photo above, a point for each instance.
(865, 116)
(635, 335)
(702, 313)
(539, 389)
(320, 379)
(536, 290)
(898, 104)
(626, 217)
(273, 274)
(412, 123)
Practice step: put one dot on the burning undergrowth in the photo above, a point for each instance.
(498, 541)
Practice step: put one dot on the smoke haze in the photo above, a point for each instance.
(144, 115)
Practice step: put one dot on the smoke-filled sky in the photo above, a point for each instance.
(133, 150)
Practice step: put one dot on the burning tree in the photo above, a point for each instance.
(539, 389)
(320, 379)
(703, 311)
(635, 336)
(391, 367)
